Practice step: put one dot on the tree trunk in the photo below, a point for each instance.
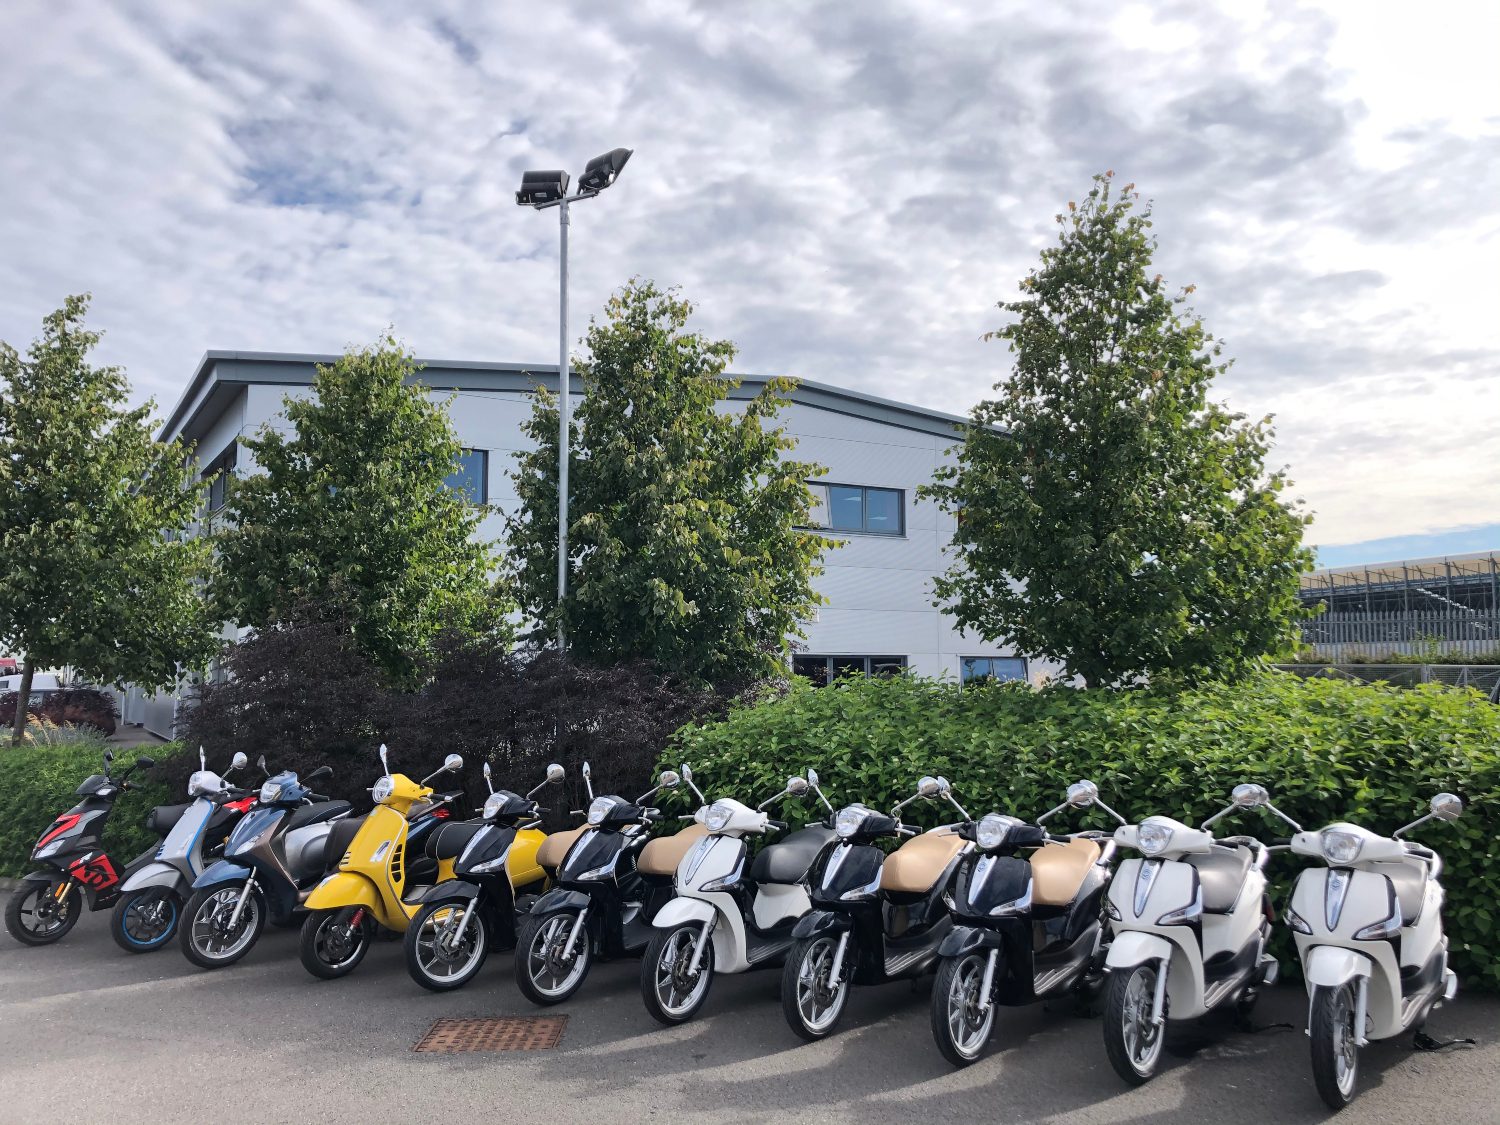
(23, 702)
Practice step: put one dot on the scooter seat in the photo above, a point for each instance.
(339, 837)
(1410, 885)
(916, 865)
(1221, 874)
(449, 841)
(662, 855)
(1058, 870)
(788, 860)
(163, 818)
(317, 814)
(555, 847)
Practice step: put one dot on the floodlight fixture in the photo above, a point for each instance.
(542, 187)
(603, 170)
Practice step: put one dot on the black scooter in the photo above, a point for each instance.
(606, 890)
(1027, 928)
(875, 918)
(75, 868)
(494, 873)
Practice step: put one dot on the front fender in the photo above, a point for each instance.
(966, 939)
(821, 922)
(1136, 948)
(1329, 966)
(343, 888)
(224, 871)
(44, 876)
(559, 900)
(451, 891)
(681, 910)
(154, 875)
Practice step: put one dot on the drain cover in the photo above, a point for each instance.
(507, 1033)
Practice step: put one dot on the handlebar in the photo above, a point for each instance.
(779, 825)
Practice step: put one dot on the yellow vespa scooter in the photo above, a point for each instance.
(367, 890)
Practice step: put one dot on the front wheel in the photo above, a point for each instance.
(550, 966)
(446, 944)
(144, 921)
(1335, 1052)
(672, 989)
(212, 937)
(40, 913)
(1131, 1038)
(334, 942)
(811, 1000)
(959, 1024)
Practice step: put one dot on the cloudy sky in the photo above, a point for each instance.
(846, 190)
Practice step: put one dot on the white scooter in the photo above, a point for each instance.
(1191, 924)
(1369, 931)
(723, 920)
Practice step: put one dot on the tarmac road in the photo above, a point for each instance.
(91, 1034)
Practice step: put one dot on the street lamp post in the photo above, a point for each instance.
(540, 190)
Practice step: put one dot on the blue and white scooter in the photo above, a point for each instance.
(150, 904)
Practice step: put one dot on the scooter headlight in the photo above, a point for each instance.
(270, 792)
(1342, 848)
(848, 820)
(205, 783)
(1153, 837)
(600, 809)
(717, 818)
(382, 790)
(493, 804)
(991, 831)
(49, 849)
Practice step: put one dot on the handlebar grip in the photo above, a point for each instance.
(777, 824)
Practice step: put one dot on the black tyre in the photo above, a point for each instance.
(546, 972)
(334, 942)
(35, 916)
(446, 944)
(672, 990)
(959, 1025)
(811, 1001)
(1335, 1054)
(1131, 1040)
(144, 921)
(210, 935)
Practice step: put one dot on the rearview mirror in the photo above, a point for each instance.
(555, 773)
(202, 758)
(239, 761)
(796, 786)
(1447, 806)
(1248, 796)
(145, 761)
(944, 786)
(109, 757)
(319, 774)
(927, 787)
(812, 776)
(669, 779)
(260, 764)
(385, 759)
(687, 772)
(453, 763)
(1081, 794)
(587, 770)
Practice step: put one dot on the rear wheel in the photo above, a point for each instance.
(334, 942)
(672, 989)
(446, 944)
(1132, 1041)
(549, 968)
(212, 937)
(40, 913)
(144, 921)
(1335, 1054)
(811, 1000)
(960, 1026)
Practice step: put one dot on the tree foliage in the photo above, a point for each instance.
(95, 572)
(1111, 516)
(684, 540)
(352, 513)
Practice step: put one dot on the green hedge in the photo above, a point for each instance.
(1326, 749)
(37, 784)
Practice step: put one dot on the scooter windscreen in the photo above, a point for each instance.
(96, 785)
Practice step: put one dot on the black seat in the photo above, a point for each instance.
(340, 836)
(163, 818)
(1410, 885)
(449, 841)
(788, 860)
(316, 814)
(1221, 873)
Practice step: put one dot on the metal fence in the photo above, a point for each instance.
(1450, 632)
(1481, 677)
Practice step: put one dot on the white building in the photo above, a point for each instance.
(878, 582)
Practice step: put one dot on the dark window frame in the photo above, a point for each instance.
(484, 478)
(864, 529)
(868, 665)
(220, 469)
(1024, 677)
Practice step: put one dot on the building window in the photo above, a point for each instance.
(823, 670)
(994, 668)
(221, 468)
(852, 507)
(472, 476)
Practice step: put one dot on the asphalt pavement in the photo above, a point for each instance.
(91, 1034)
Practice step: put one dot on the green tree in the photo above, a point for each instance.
(1111, 516)
(684, 540)
(352, 513)
(95, 573)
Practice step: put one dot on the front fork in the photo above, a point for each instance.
(239, 903)
(838, 960)
(986, 1002)
(455, 939)
(1159, 998)
(701, 944)
(1361, 1011)
(579, 930)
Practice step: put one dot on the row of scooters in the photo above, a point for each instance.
(1005, 912)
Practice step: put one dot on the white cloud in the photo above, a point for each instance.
(845, 190)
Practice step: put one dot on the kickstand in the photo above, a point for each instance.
(1421, 1041)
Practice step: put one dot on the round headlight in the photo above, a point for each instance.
(493, 804)
(1152, 837)
(717, 817)
(383, 789)
(600, 809)
(1341, 848)
(270, 792)
(848, 820)
(204, 783)
(992, 830)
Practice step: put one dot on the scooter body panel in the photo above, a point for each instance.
(179, 859)
(373, 872)
(520, 861)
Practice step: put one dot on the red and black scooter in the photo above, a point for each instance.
(74, 867)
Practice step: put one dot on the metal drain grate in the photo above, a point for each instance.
(506, 1033)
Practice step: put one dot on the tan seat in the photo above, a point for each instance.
(555, 847)
(662, 855)
(1058, 870)
(917, 864)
